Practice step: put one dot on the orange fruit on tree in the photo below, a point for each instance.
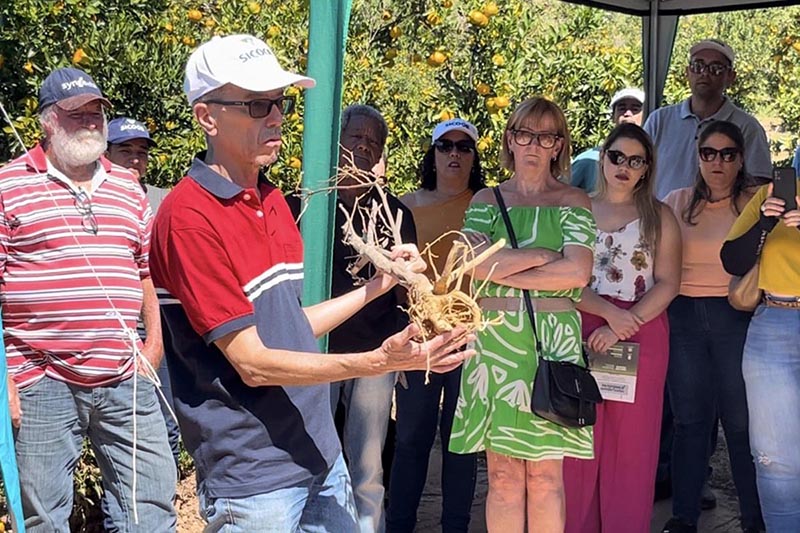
(483, 89)
(194, 15)
(446, 114)
(254, 8)
(28, 67)
(433, 18)
(188, 40)
(490, 9)
(436, 59)
(78, 56)
(796, 46)
(477, 18)
(391, 53)
(447, 4)
(501, 102)
(295, 163)
(386, 15)
(498, 60)
(168, 27)
(395, 32)
(291, 90)
(273, 31)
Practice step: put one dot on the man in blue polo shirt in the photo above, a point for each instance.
(251, 393)
(675, 129)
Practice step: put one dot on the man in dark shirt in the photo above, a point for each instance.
(367, 401)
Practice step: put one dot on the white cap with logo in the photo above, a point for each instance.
(715, 45)
(629, 92)
(241, 60)
(455, 124)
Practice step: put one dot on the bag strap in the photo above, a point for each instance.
(526, 295)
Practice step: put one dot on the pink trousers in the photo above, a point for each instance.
(613, 493)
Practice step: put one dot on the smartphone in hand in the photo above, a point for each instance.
(785, 186)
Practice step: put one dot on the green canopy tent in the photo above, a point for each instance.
(328, 34)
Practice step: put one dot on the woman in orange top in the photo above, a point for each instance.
(707, 335)
(450, 173)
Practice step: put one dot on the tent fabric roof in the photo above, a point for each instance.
(681, 7)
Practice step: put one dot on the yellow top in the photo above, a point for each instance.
(780, 259)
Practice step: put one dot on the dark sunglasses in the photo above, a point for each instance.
(709, 154)
(715, 69)
(634, 162)
(261, 107)
(446, 146)
(84, 206)
(545, 140)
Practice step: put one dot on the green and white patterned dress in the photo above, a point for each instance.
(493, 410)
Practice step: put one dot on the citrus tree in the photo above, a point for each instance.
(418, 62)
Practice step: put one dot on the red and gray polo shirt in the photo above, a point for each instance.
(224, 259)
(62, 284)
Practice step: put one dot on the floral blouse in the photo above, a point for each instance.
(623, 264)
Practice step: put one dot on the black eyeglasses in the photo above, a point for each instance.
(84, 206)
(634, 162)
(709, 154)
(544, 139)
(261, 107)
(715, 69)
(446, 146)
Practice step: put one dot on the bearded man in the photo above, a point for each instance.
(74, 244)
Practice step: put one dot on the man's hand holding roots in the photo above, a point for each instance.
(439, 354)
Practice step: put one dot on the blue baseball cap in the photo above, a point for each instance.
(125, 129)
(69, 88)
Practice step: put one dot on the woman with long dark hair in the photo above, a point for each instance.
(450, 173)
(707, 335)
(636, 275)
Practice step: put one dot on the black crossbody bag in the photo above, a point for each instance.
(563, 393)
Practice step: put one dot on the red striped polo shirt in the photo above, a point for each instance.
(62, 286)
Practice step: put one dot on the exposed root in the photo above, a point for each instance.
(435, 307)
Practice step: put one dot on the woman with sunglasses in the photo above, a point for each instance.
(707, 335)
(766, 233)
(636, 275)
(555, 231)
(450, 173)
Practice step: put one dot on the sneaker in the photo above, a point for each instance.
(707, 498)
(676, 525)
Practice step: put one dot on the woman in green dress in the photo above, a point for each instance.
(556, 232)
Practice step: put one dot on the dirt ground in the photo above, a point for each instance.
(723, 519)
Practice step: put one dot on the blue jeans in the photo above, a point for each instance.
(368, 406)
(707, 337)
(56, 417)
(771, 370)
(417, 418)
(323, 504)
(173, 432)
(173, 435)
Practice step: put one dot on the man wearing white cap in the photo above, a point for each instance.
(626, 106)
(675, 129)
(251, 393)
